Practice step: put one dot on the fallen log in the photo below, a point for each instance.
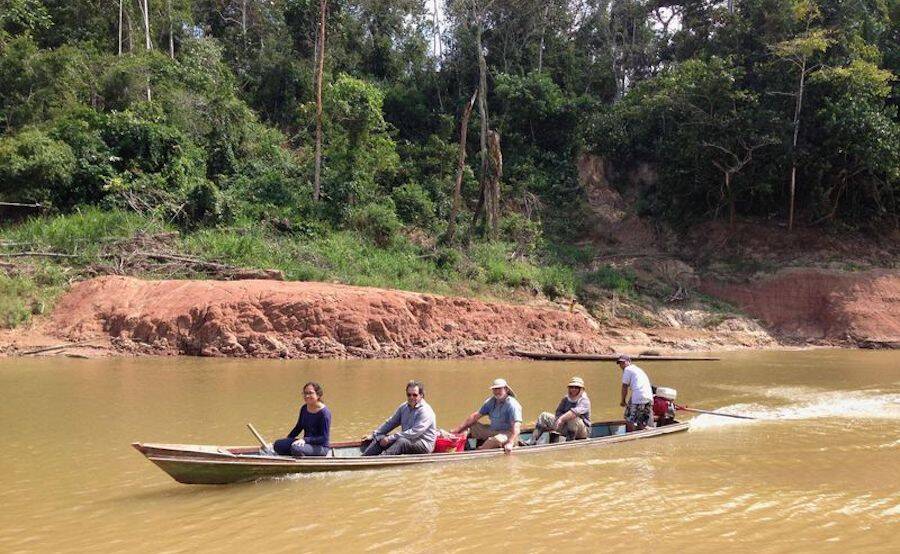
(37, 254)
(47, 349)
(611, 357)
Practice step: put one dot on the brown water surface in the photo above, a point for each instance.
(820, 472)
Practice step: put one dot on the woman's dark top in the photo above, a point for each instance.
(316, 427)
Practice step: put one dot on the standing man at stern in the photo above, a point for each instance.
(639, 409)
(418, 429)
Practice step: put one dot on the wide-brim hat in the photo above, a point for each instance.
(500, 383)
(576, 382)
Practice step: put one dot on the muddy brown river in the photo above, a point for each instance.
(818, 472)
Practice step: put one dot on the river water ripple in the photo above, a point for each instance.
(819, 471)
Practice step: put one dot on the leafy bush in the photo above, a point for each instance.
(376, 222)
(34, 167)
(22, 297)
(610, 278)
(414, 206)
(524, 232)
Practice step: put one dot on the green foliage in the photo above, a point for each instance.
(361, 155)
(414, 206)
(34, 167)
(80, 232)
(499, 266)
(22, 297)
(376, 222)
(609, 278)
(221, 133)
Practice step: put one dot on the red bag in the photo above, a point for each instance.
(450, 443)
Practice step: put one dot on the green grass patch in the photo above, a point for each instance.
(24, 296)
(610, 278)
(81, 232)
(484, 269)
(494, 259)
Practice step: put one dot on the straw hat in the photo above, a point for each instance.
(499, 383)
(576, 382)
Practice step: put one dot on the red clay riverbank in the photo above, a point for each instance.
(267, 319)
(257, 318)
(814, 305)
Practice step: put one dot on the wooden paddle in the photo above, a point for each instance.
(262, 441)
(686, 409)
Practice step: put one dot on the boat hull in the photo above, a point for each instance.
(210, 465)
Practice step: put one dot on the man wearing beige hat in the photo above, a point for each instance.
(505, 414)
(573, 414)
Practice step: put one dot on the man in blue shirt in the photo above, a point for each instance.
(505, 414)
(418, 429)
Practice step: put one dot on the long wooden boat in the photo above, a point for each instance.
(218, 465)
(612, 357)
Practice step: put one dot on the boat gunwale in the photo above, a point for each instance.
(337, 463)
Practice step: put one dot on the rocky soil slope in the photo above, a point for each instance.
(815, 305)
(300, 319)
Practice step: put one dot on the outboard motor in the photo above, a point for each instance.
(664, 405)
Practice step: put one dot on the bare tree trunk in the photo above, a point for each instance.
(171, 36)
(540, 63)
(797, 110)
(730, 199)
(485, 126)
(244, 20)
(130, 31)
(438, 46)
(317, 186)
(492, 189)
(457, 187)
(145, 12)
(145, 7)
(120, 26)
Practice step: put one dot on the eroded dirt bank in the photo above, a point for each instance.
(259, 318)
(256, 318)
(293, 319)
(822, 306)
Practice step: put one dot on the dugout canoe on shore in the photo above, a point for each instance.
(218, 465)
(612, 357)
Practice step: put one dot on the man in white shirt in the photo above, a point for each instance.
(639, 409)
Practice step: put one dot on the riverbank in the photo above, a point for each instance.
(115, 315)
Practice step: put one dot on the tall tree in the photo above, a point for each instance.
(460, 168)
(799, 51)
(320, 68)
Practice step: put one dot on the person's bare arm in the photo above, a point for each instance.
(514, 437)
(473, 417)
(565, 418)
(624, 394)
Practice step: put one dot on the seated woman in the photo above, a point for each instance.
(314, 422)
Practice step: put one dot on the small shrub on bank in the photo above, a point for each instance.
(610, 278)
(376, 222)
(22, 297)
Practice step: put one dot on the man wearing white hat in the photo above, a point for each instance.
(572, 417)
(505, 415)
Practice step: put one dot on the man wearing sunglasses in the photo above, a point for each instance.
(417, 422)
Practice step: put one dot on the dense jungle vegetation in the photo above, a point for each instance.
(202, 116)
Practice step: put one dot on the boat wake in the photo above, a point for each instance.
(809, 404)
